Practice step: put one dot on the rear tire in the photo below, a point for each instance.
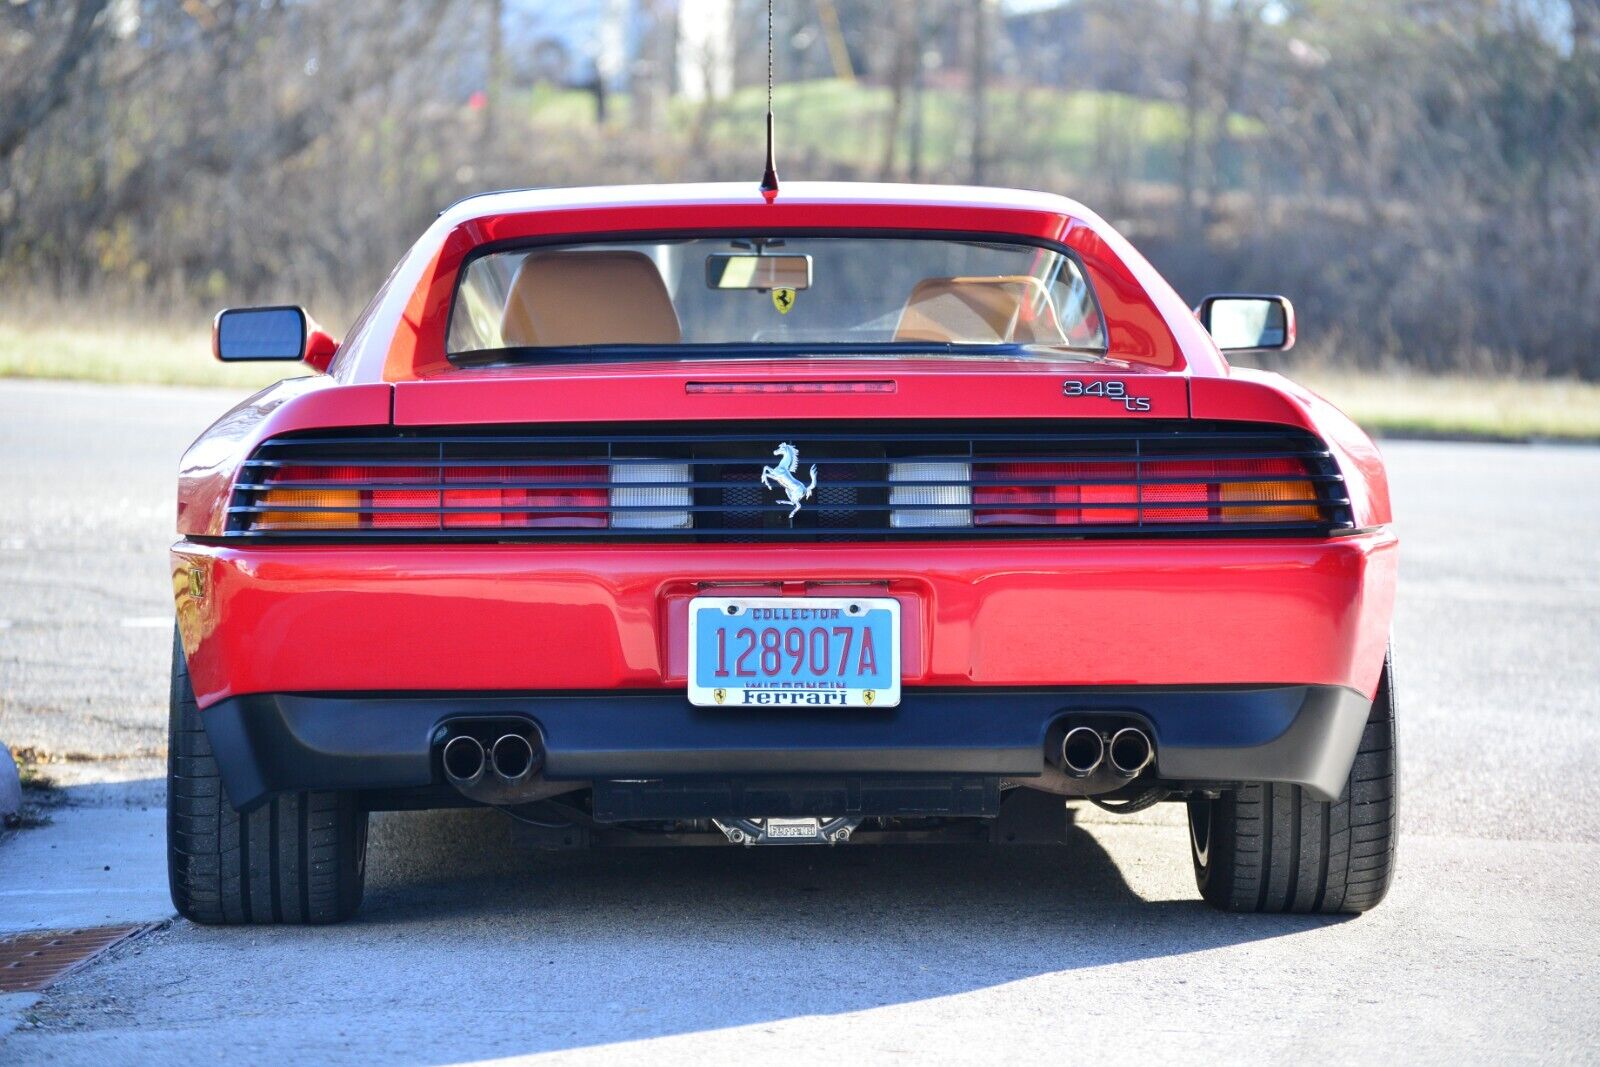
(300, 858)
(1270, 847)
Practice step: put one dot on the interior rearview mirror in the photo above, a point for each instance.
(264, 333)
(1240, 322)
(739, 270)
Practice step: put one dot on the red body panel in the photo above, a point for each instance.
(206, 476)
(553, 617)
(293, 619)
(928, 390)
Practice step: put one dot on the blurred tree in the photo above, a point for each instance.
(1423, 176)
(45, 45)
(978, 83)
(494, 19)
(902, 40)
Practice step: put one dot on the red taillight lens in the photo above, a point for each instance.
(348, 497)
(1080, 493)
(1167, 500)
(766, 388)
(535, 496)
(411, 508)
(1155, 491)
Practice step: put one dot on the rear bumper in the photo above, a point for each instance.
(271, 743)
(599, 618)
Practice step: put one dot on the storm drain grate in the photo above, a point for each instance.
(30, 962)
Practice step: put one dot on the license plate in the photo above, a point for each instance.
(841, 652)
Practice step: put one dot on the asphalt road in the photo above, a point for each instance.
(469, 949)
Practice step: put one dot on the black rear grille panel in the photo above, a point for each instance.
(728, 504)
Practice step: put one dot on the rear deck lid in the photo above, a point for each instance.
(792, 389)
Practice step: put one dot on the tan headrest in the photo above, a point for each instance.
(589, 298)
(1003, 309)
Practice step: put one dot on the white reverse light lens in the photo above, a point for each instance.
(660, 498)
(955, 500)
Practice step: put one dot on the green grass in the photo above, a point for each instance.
(830, 120)
(1384, 403)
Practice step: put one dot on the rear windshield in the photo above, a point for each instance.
(761, 295)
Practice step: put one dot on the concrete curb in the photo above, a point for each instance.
(13, 1008)
(1468, 437)
(10, 788)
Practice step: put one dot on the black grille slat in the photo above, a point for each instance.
(966, 533)
(289, 483)
(514, 460)
(822, 510)
(727, 503)
(822, 437)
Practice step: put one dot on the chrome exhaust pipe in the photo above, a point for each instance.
(1130, 751)
(464, 762)
(513, 758)
(1082, 751)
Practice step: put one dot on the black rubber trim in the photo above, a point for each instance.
(268, 744)
(1315, 751)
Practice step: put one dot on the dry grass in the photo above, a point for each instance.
(118, 353)
(1385, 403)
(1456, 406)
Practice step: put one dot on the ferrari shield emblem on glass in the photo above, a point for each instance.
(783, 299)
(798, 492)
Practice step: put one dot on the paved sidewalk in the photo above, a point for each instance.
(98, 860)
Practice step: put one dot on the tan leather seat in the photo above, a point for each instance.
(1003, 309)
(589, 298)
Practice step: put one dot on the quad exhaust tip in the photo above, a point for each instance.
(1130, 751)
(1082, 751)
(464, 760)
(512, 757)
(511, 760)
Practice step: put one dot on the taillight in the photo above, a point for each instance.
(1010, 494)
(944, 498)
(650, 496)
(287, 513)
(1114, 492)
(320, 505)
(1269, 500)
(628, 494)
(526, 495)
(768, 388)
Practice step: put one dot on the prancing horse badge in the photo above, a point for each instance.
(789, 484)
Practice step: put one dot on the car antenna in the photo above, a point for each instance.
(769, 180)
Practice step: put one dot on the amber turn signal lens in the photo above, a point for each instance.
(292, 519)
(1257, 511)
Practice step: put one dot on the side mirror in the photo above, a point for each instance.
(271, 333)
(320, 349)
(1240, 322)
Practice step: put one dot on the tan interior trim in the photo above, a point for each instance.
(589, 298)
(1003, 309)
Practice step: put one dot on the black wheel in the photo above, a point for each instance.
(300, 858)
(1271, 848)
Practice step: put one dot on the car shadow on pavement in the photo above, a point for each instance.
(613, 946)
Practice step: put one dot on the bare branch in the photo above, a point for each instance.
(41, 95)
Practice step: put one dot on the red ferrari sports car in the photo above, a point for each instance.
(708, 514)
